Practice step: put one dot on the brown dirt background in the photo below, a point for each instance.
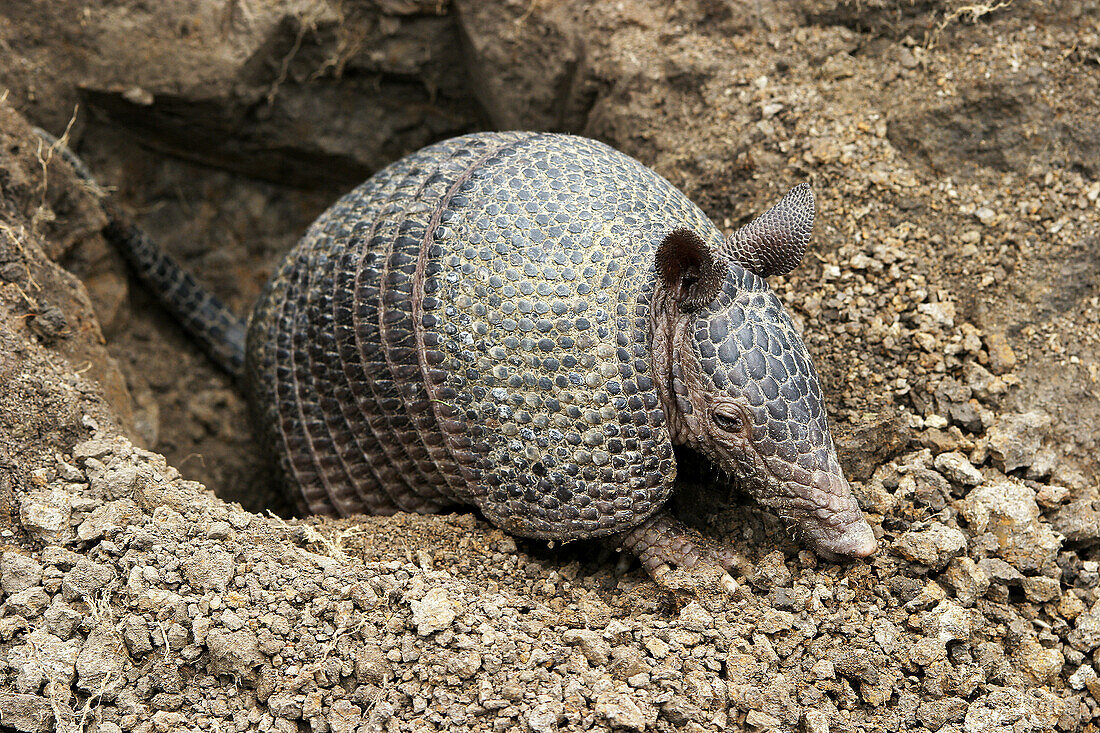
(954, 149)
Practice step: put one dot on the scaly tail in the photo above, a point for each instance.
(220, 332)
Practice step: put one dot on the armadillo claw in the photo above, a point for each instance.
(668, 550)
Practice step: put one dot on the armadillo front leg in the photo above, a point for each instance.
(663, 543)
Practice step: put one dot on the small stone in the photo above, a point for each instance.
(1070, 606)
(941, 441)
(19, 572)
(941, 312)
(231, 620)
(1078, 521)
(1086, 633)
(985, 215)
(62, 619)
(11, 272)
(948, 621)
(60, 557)
(696, 618)
(938, 422)
(926, 652)
(972, 342)
(627, 661)
(26, 713)
(815, 721)
(927, 487)
(1004, 710)
(113, 482)
(620, 711)
(968, 416)
(595, 612)
(166, 720)
(311, 706)
(934, 714)
(285, 705)
(1051, 496)
(657, 647)
(966, 579)
(823, 669)
(101, 661)
(85, 579)
(840, 65)
(46, 518)
(96, 448)
(761, 720)
(44, 659)
(1002, 358)
(774, 621)
(930, 594)
(1093, 686)
(1014, 439)
(871, 441)
(135, 634)
(1080, 676)
(49, 324)
(371, 665)
(874, 497)
(1007, 511)
(218, 531)
(200, 627)
(434, 612)
(933, 546)
(1042, 465)
(465, 664)
(544, 718)
(27, 603)
(108, 519)
(1000, 571)
(770, 572)
(343, 716)
(176, 635)
(1041, 664)
(957, 468)
(10, 626)
(209, 569)
(679, 711)
(983, 384)
(68, 472)
(1040, 589)
(235, 653)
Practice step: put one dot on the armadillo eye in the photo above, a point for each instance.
(729, 422)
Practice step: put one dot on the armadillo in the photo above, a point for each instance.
(528, 323)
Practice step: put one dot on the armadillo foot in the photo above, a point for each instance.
(664, 545)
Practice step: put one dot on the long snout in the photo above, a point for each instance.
(829, 518)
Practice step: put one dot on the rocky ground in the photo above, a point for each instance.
(950, 301)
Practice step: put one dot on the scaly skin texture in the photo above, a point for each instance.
(528, 323)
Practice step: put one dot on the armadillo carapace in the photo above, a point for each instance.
(528, 323)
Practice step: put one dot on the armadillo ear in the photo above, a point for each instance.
(774, 242)
(689, 270)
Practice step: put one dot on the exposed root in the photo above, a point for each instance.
(969, 13)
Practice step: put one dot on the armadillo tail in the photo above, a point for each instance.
(219, 331)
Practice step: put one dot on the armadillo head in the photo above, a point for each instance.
(741, 387)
